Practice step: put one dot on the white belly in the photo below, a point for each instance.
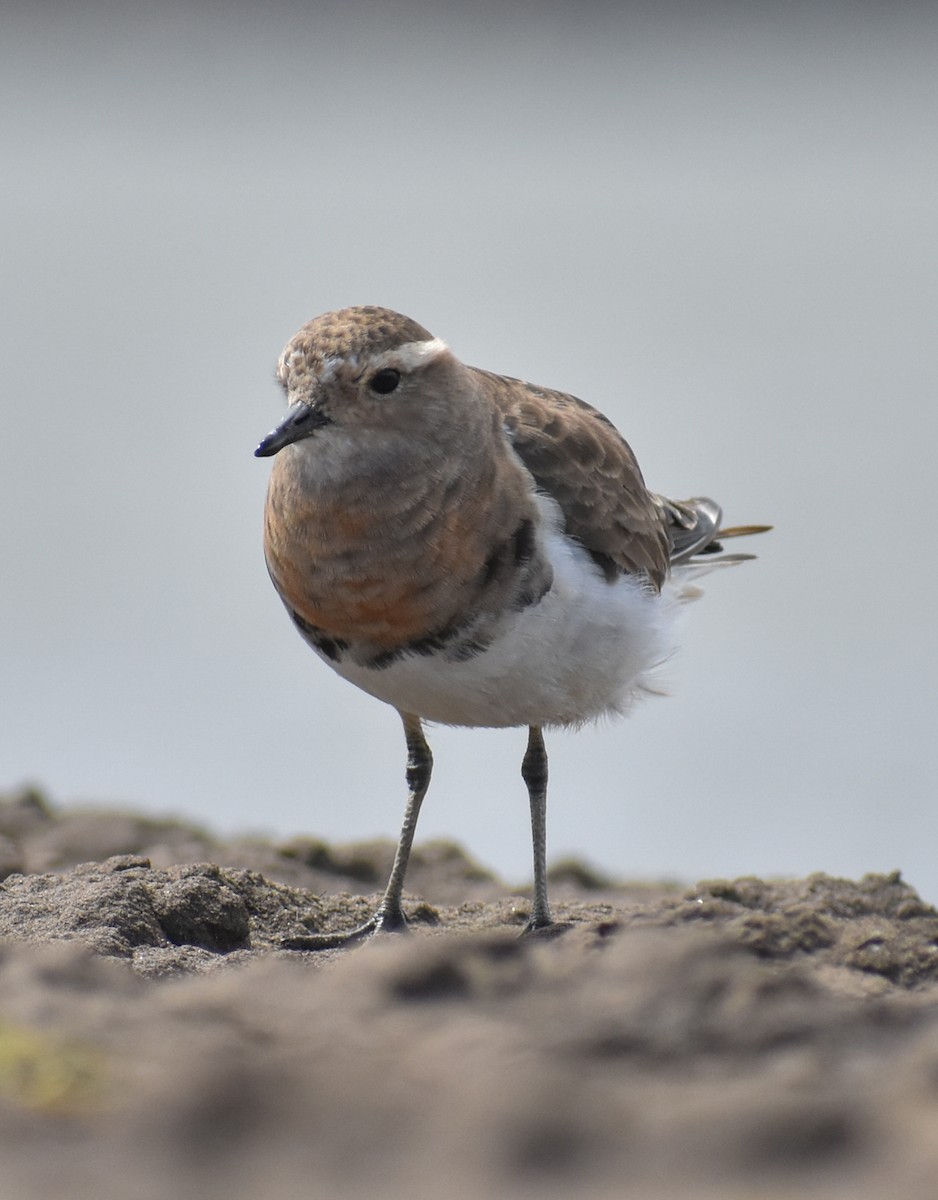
(588, 648)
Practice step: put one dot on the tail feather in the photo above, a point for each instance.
(696, 535)
(742, 531)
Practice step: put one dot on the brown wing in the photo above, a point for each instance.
(577, 456)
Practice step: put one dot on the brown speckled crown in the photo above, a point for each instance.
(357, 332)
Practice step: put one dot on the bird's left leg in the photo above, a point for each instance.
(534, 773)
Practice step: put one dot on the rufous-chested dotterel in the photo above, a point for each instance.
(470, 548)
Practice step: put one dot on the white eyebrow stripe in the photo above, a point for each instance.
(411, 354)
(293, 367)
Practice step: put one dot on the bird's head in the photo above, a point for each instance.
(364, 371)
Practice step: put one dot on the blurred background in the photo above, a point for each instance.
(716, 222)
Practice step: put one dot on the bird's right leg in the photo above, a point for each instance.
(389, 915)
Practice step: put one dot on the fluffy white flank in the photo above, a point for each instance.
(587, 649)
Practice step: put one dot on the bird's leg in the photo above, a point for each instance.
(389, 916)
(534, 774)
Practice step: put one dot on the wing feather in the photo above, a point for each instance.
(578, 457)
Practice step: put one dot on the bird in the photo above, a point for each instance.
(472, 549)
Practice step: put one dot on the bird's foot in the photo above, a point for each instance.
(541, 925)
(385, 920)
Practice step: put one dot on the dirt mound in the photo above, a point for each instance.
(739, 1038)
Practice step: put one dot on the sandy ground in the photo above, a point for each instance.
(741, 1039)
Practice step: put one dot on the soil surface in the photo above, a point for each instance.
(739, 1039)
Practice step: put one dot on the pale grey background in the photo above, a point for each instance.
(717, 223)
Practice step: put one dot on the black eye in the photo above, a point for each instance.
(384, 382)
